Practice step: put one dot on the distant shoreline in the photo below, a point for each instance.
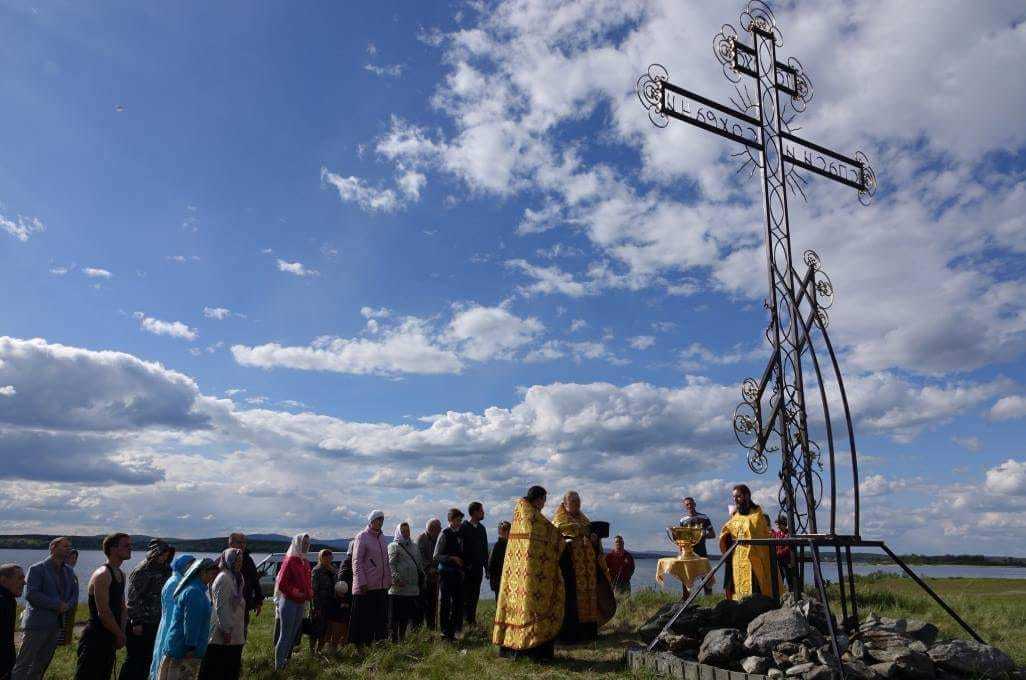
(273, 543)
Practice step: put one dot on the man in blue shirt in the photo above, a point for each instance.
(692, 517)
(52, 590)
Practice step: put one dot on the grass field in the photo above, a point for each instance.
(996, 607)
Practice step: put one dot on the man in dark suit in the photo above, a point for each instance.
(52, 590)
(12, 585)
(475, 550)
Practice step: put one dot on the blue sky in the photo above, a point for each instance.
(273, 267)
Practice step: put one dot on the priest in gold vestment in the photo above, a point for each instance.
(751, 571)
(584, 572)
(530, 603)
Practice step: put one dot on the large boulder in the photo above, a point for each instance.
(721, 647)
(910, 628)
(971, 658)
(694, 622)
(768, 630)
(816, 615)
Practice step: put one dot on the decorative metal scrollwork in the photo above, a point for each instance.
(802, 86)
(725, 49)
(758, 15)
(750, 390)
(868, 179)
(650, 92)
(746, 425)
(812, 260)
(757, 462)
(824, 290)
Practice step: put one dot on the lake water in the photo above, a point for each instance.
(644, 575)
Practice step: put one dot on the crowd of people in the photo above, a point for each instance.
(181, 617)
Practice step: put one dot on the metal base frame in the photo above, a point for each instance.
(814, 544)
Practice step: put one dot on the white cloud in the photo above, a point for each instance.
(642, 341)
(175, 329)
(96, 273)
(549, 280)
(219, 313)
(21, 227)
(491, 332)
(577, 325)
(296, 268)
(406, 348)
(8, 391)
(1008, 408)
(355, 190)
(391, 71)
(1007, 478)
(59, 271)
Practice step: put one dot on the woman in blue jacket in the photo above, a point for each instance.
(167, 601)
(190, 623)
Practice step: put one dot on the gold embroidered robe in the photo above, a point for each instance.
(751, 561)
(585, 562)
(529, 607)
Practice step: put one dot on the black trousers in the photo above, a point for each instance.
(402, 613)
(96, 654)
(451, 585)
(428, 612)
(369, 620)
(138, 654)
(221, 662)
(471, 594)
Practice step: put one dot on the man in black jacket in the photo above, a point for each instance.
(251, 590)
(475, 548)
(498, 557)
(449, 556)
(12, 585)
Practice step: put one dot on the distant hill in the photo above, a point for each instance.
(258, 543)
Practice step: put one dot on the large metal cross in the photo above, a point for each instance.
(796, 303)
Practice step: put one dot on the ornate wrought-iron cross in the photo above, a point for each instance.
(796, 303)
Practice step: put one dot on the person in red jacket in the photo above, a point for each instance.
(293, 588)
(620, 564)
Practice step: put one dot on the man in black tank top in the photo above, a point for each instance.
(104, 634)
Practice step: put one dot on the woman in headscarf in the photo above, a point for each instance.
(583, 567)
(223, 660)
(529, 607)
(190, 623)
(325, 609)
(144, 609)
(292, 590)
(407, 575)
(371, 580)
(167, 602)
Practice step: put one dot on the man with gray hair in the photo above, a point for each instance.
(12, 584)
(52, 590)
(429, 598)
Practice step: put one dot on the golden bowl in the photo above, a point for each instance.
(685, 538)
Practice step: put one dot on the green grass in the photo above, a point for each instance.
(996, 607)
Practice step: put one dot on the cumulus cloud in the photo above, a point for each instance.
(296, 268)
(1007, 478)
(219, 313)
(491, 332)
(174, 329)
(1008, 408)
(389, 71)
(356, 190)
(408, 347)
(21, 227)
(642, 341)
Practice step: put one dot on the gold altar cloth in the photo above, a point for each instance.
(685, 571)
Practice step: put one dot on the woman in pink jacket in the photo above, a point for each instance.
(371, 580)
(293, 588)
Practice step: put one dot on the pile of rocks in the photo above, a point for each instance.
(759, 638)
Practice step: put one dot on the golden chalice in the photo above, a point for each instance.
(685, 538)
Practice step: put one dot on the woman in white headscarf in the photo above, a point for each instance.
(293, 588)
(407, 575)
